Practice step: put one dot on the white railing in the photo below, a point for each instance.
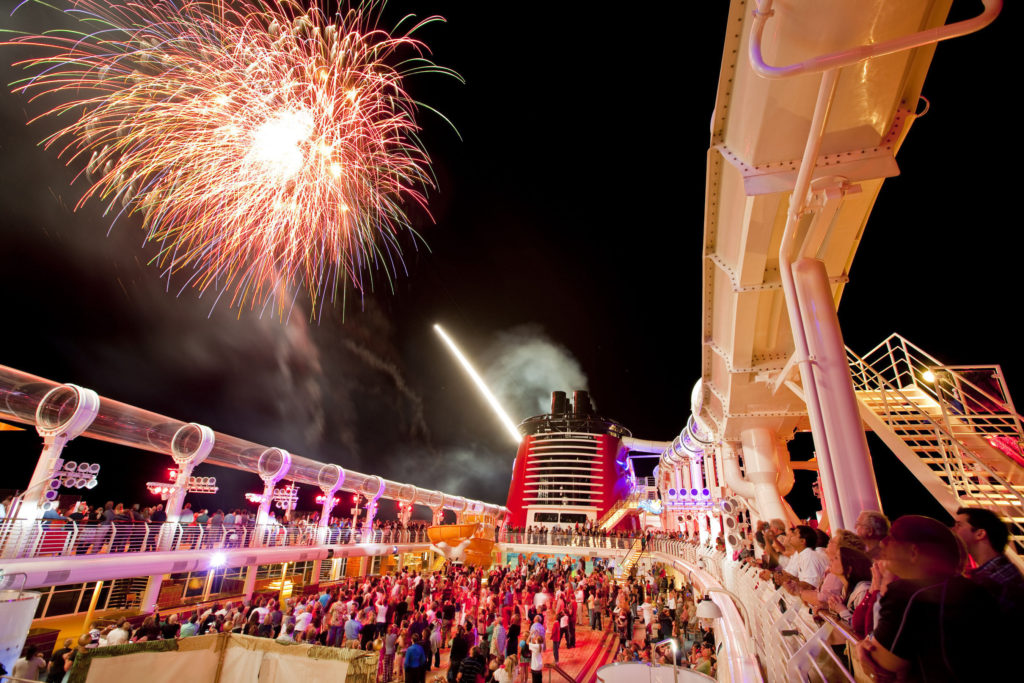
(969, 478)
(570, 540)
(703, 565)
(974, 399)
(791, 644)
(49, 538)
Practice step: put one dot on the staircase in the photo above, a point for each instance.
(623, 568)
(127, 593)
(953, 426)
(642, 489)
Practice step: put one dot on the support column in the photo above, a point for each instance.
(92, 606)
(189, 447)
(372, 489)
(151, 595)
(208, 584)
(844, 431)
(56, 430)
(249, 586)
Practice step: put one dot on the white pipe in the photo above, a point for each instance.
(21, 394)
(696, 474)
(837, 60)
(763, 471)
(826, 95)
(645, 445)
(734, 478)
(840, 413)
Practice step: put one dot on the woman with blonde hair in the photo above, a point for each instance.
(507, 672)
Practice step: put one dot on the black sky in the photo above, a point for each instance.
(571, 209)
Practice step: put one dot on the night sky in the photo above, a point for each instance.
(564, 253)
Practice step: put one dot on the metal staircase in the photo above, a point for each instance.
(953, 426)
(644, 488)
(623, 568)
(126, 593)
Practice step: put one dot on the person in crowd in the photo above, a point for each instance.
(472, 668)
(536, 658)
(119, 634)
(30, 665)
(415, 662)
(872, 526)
(930, 611)
(853, 568)
(806, 568)
(287, 634)
(985, 536)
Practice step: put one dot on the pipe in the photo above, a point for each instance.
(734, 478)
(120, 423)
(826, 95)
(843, 427)
(763, 472)
(645, 445)
(837, 60)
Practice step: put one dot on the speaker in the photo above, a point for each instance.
(731, 506)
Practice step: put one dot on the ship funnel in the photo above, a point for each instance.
(559, 403)
(581, 403)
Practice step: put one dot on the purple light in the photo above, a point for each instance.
(693, 492)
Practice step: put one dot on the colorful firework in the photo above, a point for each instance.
(268, 148)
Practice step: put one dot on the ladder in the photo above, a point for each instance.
(954, 427)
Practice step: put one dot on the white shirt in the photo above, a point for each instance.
(302, 621)
(536, 658)
(648, 611)
(808, 566)
(117, 637)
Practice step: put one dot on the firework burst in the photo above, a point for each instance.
(267, 147)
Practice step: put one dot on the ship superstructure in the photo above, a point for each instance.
(571, 466)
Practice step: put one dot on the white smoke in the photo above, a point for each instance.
(524, 366)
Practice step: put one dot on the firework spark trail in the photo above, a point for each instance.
(492, 400)
(266, 146)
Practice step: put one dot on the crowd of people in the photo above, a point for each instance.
(922, 600)
(119, 528)
(911, 592)
(496, 625)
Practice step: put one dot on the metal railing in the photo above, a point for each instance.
(704, 557)
(974, 399)
(792, 645)
(570, 540)
(971, 480)
(21, 538)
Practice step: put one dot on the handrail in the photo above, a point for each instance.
(836, 60)
(964, 450)
(740, 662)
(28, 538)
(913, 355)
(544, 537)
(553, 666)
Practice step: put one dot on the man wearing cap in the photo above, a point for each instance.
(930, 613)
